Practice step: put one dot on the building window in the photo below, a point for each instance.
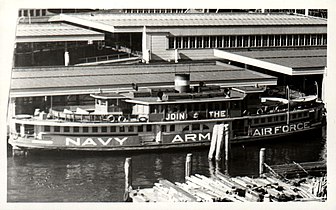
(226, 41)
(76, 129)
(313, 39)
(178, 43)
(199, 42)
(307, 39)
(283, 40)
(245, 41)
(185, 42)
(271, 41)
(239, 41)
(289, 40)
(232, 41)
(277, 40)
(265, 41)
(252, 41)
(258, 41)
(324, 39)
(213, 42)
(206, 43)
(104, 129)
(171, 44)
(192, 42)
(296, 40)
(301, 40)
(319, 39)
(66, 129)
(219, 41)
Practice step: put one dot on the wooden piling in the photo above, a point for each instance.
(188, 165)
(261, 161)
(226, 132)
(213, 142)
(128, 178)
(219, 143)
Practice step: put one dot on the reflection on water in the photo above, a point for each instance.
(96, 178)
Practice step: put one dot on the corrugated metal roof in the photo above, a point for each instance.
(103, 76)
(203, 19)
(52, 29)
(291, 58)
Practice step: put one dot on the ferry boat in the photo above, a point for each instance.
(182, 116)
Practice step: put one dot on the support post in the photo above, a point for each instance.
(213, 142)
(261, 161)
(226, 136)
(219, 143)
(128, 178)
(188, 165)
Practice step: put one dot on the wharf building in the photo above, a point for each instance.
(62, 56)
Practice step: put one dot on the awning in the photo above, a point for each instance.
(289, 62)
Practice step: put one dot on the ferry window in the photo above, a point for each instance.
(299, 115)
(38, 12)
(57, 129)
(29, 129)
(66, 129)
(282, 118)
(262, 120)
(113, 129)
(140, 128)
(276, 118)
(256, 121)
(76, 129)
(269, 119)
(196, 127)
(31, 12)
(294, 116)
(205, 127)
(163, 128)
(149, 128)
(186, 128)
(305, 114)
(104, 129)
(130, 129)
(121, 129)
(44, 12)
(172, 128)
(94, 129)
(25, 13)
(85, 129)
(47, 128)
(17, 127)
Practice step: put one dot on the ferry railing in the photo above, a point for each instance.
(105, 57)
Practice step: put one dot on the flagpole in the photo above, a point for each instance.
(288, 105)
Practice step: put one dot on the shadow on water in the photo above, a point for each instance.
(92, 177)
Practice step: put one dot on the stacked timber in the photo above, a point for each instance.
(222, 188)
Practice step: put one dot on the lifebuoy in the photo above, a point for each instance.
(260, 111)
(111, 118)
(270, 92)
(121, 119)
(143, 119)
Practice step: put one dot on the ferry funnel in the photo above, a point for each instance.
(182, 83)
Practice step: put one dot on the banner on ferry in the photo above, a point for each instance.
(280, 129)
(177, 116)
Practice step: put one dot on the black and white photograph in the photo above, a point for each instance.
(180, 105)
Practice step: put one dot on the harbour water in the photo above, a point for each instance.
(100, 178)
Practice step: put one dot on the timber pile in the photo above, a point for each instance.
(221, 188)
(299, 169)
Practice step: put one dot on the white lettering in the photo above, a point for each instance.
(176, 116)
(121, 141)
(89, 141)
(300, 126)
(200, 136)
(256, 133)
(276, 129)
(105, 143)
(268, 131)
(285, 128)
(306, 125)
(177, 138)
(292, 127)
(68, 141)
(190, 136)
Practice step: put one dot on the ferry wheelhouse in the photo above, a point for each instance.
(167, 117)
